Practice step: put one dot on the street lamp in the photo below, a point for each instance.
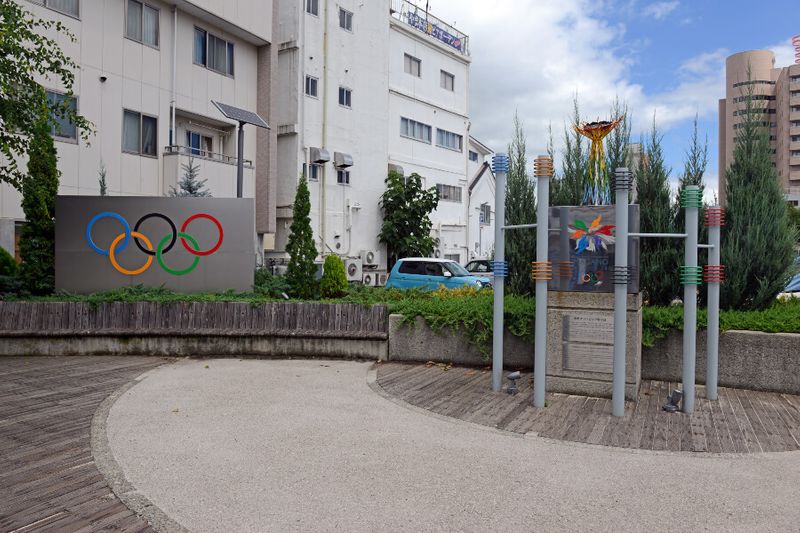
(242, 116)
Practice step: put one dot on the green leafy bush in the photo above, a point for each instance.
(334, 280)
(8, 266)
(268, 284)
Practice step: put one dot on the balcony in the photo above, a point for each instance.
(437, 29)
(219, 171)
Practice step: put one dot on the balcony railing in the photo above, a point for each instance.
(204, 154)
(418, 18)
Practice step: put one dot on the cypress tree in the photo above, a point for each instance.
(569, 187)
(39, 191)
(190, 184)
(520, 209)
(619, 140)
(301, 271)
(757, 247)
(659, 260)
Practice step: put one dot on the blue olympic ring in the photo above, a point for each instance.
(108, 214)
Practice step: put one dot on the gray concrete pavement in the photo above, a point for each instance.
(309, 446)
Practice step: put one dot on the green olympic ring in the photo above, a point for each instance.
(186, 270)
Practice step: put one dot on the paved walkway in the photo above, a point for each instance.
(48, 477)
(230, 445)
(739, 422)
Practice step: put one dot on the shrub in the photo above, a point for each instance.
(268, 284)
(8, 266)
(334, 280)
(301, 271)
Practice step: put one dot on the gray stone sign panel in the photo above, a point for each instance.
(582, 245)
(184, 244)
(588, 342)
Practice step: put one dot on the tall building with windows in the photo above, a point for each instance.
(368, 87)
(149, 70)
(776, 94)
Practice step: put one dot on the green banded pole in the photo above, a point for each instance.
(691, 277)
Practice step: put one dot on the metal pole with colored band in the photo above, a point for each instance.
(542, 273)
(499, 267)
(714, 275)
(691, 276)
(622, 183)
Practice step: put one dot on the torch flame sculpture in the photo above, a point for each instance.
(597, 191)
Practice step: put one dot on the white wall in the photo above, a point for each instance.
(481, 236)
(424, 100)
(139, 78)
(356, 60)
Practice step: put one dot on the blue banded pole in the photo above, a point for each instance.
(499, 266)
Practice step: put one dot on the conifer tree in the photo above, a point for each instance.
(520, 209)
(191, 184)
(757, 246)
(102, 180)
(39, 191)
(302, 252)
(619, 140)
(568, 189)
(334, 279)
(659, 260)
(694, 169)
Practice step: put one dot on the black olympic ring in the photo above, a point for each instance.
(171, 226)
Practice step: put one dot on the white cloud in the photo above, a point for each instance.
(659, 10)
(534, 55)
(784, 53)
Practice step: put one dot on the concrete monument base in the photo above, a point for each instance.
(580, 343)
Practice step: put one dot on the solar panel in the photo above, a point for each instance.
(241, 115)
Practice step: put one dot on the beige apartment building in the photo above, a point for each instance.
(779, 91)
(149, 70)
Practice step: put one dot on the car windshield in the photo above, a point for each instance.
(456, 269)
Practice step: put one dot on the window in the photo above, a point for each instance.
(486, 214)
(63, 127)
(794, 79)
(413, 66)
(213, 52)
(473, 156)
(311, 86)
(753, 98)
(795, 153)
(141, 24)
(415, 130)
(345, 96)
(343, 176)
(68, 7)
(199, 144)
(453, 257)
(314, 171)
(312, 7)
(345, 19)
(449, 192)
(754, 82)
(412, 267)
(448, 81)
(795, 138)
(139, 133)
(448, 139)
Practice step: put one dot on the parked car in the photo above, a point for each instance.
(428, 274)
(480, 267)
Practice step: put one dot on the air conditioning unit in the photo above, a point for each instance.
(381, 281)
(369, 278)
(319, 155)
(353, 269)
(437, 254)
(370, 257)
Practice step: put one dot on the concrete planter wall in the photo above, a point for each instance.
(747, 359)
(281, 329)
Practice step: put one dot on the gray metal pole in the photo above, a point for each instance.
(500, 168)
(622, 183)
(714, 275)
(543, 170)
(240, 162)
(691, 278)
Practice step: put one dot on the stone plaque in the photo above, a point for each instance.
(588, 342)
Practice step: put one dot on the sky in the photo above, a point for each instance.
(664, 58)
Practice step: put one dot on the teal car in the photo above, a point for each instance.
(428, 274)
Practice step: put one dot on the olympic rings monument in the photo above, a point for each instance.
(183, 244)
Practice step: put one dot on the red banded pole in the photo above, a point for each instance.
(713, 275)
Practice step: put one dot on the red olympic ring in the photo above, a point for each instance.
(207, 217)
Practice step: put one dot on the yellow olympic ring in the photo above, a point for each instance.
(112, 257)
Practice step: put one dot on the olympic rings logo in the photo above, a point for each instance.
(164, 245)
(594, 278)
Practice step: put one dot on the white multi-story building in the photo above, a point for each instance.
(366, 87)
(146, 63)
